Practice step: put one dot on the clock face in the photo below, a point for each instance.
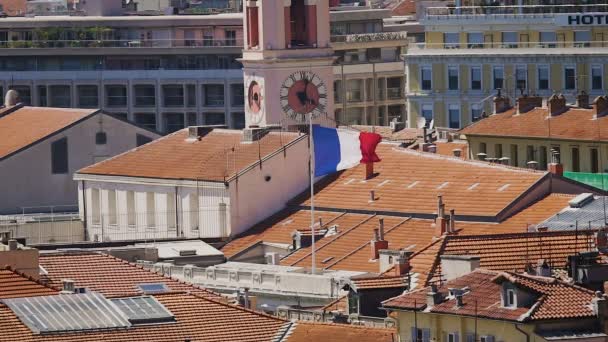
(255, 102)
(303, 93)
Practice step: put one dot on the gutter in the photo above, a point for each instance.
(523, 332)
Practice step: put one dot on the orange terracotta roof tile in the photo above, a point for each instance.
(197, 319)
(383, 282)
(388, 134)
(306, 332)
(409, 182)
(405, 7)
(106, 274)
(574, 124)
(14, 7)
(27, 125)
(553, 299)
(216, 157)
(340, 304)
(16, 285)
(447, 148)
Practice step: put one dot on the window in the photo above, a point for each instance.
(514, 155)
(150, 210)
(548, 39)
(354, 91)
(215, 119)
(498, 151)
(214, 95)
(486, 339)
(510, 298)
(25, 94)
(230, 37)
(95, 207)
(59, 156)
(595, 165)
(147, 120)
(116, 96)
(427, 113)
(453, 337)
(570, 77)
(141, 139)
(556, 155)
(451, 40)
(476, 78)
(582, 38)
(42, 98)
(509, 39)
(454, 115)
(191, 119)
(476, 112)
(475, 40)
(421, 335)
(145, 95)
(237, 93)
(453, 78)
(194, 211)
(576, 160)
(173, 122)
(112, 217)
(499, 77)
(426, 75)
(597, 82)
(393, 88)
(131, 208)
(208, 37)
(173, 95)
(101, 138)
(60, 96)
(543, 77)
(483, 148)
(521, 77)
(238, 120)
(542, 160)
(171, 212)
(191, 95)
(374, 54)
(530, 153)
(87, 96)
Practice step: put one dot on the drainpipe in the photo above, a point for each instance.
(84, 210)
(523, 332)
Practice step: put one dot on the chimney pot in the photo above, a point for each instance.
(372, 195)
(501, 103)
(601, 106)
(452, 222)
(369, 171)
(402, 264)
(13, 245)
(556, 169)
(11, 98)
(556, 105)
(381, 229)
(377, 244)
(527, 103)
(459, 301)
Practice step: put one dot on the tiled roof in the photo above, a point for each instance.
(553, 299)
(385, 282)
(388, 134)
(14, 7)
(16, 285)
(405, 7)
(409, 182)
(28, 125)
(574, 124)
(340, 304)
(215, 157)
(306, 332)
(197, 319)
(447, 148)
(106, 274)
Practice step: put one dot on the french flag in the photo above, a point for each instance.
(341, 149)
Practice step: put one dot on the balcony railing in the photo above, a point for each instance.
(511, 45)
(128, 43)
(368, 37)
(394, 93)
(532, 11)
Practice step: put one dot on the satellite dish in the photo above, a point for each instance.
(421, 122)
(432, 124)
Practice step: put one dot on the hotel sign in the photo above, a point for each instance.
(580, 19)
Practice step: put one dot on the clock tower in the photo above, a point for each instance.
(287, 62)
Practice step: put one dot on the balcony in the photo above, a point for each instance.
(545, 45)
(368, 37)
(125, 43)
(394, 93)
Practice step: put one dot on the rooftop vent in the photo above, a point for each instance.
(581, 200)
(252, 134)
(198, 132)
(187, 252)
(11, 98)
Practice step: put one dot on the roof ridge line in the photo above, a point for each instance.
(365, 244)
(30, 278)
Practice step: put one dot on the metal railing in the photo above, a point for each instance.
(368, 37)
(124, 43)
(394, 93)
(511, 45)
(524, 11)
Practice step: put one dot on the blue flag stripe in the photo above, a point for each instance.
(327, 150)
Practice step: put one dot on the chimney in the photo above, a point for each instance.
(11, 98)
(441, 225)
(556, 105)
(501, 103)
(454, 266)
(601, 241)
(452, 227)
(253, 134)
(527, 103)
(377, 244)
(369, 171)
(198, 132)
(543, 269)
(600, 308)
(20, 259)
(459, 302)
(402, 264)
(381, 229)
(601, 106)
(440, 206)
(556, 169)
(433, 297)
(67, 286)
(372, 196)
(582, 100)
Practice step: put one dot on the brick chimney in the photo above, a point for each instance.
(556, 105)
(402, 264)
(369, 171)
(433, 297)
(601, 106)
(452, 226)
(527, 103)
(20, 259)
(582, 100)
(501, 103)
(555, 167)
(378, 242)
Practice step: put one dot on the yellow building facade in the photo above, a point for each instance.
(472, 51)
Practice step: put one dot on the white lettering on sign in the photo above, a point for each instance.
(587, 19)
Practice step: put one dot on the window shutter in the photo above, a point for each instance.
(490, 338)
(456, 337)
(414, 334)
(470, 337)
(426, 335)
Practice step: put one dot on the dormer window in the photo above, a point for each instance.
(511, 298)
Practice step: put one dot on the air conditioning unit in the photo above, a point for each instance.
(272, 258)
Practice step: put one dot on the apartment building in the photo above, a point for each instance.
(162, 72)
(472, 49)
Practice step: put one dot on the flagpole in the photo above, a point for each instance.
(312, 191)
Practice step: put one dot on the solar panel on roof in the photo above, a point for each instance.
(61, 313)
(144, 309)
(151, 288)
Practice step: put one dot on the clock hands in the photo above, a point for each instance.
(303, 95)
